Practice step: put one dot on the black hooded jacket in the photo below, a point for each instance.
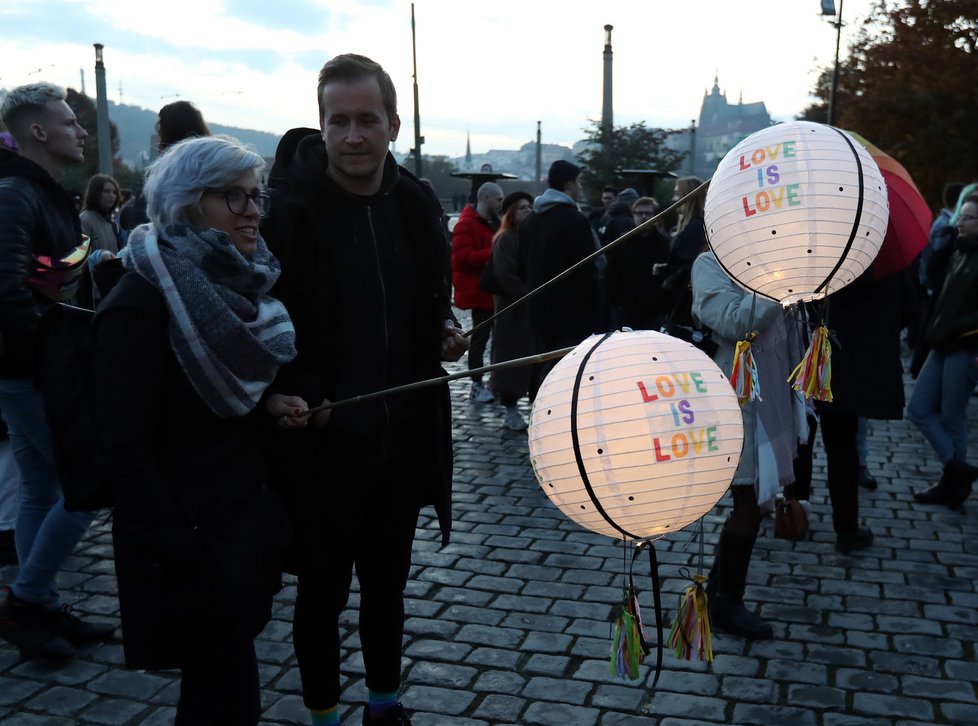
(39, 218)
(364, 281)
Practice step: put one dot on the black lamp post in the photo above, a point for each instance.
(828, 8)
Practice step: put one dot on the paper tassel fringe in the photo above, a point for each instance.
(743, 376)
(691, 634)
(813, 376)
(629, 647)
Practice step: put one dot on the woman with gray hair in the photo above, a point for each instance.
(186, 345)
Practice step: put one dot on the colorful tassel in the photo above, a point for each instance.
(691, 632)
(629, 646)
(743, 375)
(813, 375)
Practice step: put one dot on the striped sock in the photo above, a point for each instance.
(325, 716)
(380, 702)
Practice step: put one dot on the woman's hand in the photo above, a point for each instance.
(289, 412)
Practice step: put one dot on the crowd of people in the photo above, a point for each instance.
(231, 317)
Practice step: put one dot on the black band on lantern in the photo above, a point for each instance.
(575, 440)
(859, 212)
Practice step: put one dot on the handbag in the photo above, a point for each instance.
(488, 282)
(790, 520)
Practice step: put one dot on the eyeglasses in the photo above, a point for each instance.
(237, 200)
(967, 218)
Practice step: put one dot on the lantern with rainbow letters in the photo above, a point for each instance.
(796, 211)
(635, 434)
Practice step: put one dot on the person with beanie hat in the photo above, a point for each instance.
(619, 219)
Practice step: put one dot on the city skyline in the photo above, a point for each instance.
(491, 71)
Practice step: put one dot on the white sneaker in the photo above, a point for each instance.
(513, 420)
(480, 394)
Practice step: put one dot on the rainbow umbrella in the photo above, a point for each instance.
(910, 217)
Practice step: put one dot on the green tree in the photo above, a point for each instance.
(623, 147)
(908, 86)
(76, 179)
(438, 170)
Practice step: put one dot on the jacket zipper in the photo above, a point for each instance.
(383, 300)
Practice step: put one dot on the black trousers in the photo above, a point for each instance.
(366, 519)
(842, 466)
(479, 340)
(221, 692)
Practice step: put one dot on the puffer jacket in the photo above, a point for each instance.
(471, 252)
(39, 219)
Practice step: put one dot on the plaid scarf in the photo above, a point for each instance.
(228, 334)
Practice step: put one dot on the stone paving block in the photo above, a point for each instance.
(72, 673)
(796, 671)
(529, 621)
(493, 658)
(618, 698)
(914, 626)
(736, 665)
(523, 604)
(591, 647)
(559, 714)
(115, 712)
(435, 650)
(851, 621)
(924, 645)
(860, 680)
(497, 708)
(888, 662)
(836, 656)
(818, 697)
(33, 719)
(160, 717)
(791, 614)
(877, 606)
(494, 584)
(698, 684)
(14, 690)
(746, 714)
(951, 614)
(478, 615)
(686, 706)
(960, 713)
(846, 719)
(559, 591)
(777, 649)
(587, 577)
(555, 666)
(877, 704)
(938, 688)
(908, 592)
(62, 701)
(544, 642)
(499, 681)
(447, 701)
(445, 675)
(536, 573)
(443, 628)
(599, 671)
(749, 690)
(455, 578)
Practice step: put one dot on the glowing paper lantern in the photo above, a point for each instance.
(796, 211)
(635, 435)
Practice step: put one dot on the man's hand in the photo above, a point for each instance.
(289, 412)
(453, 343)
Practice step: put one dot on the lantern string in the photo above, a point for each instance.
(634, 232)
(514, 363)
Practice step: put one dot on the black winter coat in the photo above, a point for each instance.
(38, 218)
(197, 536)
(552, 241)
(865, 318)
(363, 279)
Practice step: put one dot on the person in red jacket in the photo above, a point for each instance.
(471, 252)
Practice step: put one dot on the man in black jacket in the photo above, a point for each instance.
(553, 238)
(363, 277)
(42, 254)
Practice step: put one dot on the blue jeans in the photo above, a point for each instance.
(45, 534)
(939, 402)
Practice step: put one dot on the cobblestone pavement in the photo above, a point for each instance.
(509, 624)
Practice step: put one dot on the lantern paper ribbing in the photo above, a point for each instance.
(796, 211)
(636, 435)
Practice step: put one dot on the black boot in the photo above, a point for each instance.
(961, 476)
(725, 589)
(938, 493)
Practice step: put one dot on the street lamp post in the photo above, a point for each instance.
(828, 8)
(102, 118)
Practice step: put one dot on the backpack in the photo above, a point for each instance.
(63, 373)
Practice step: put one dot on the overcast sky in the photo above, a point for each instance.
(490, 68)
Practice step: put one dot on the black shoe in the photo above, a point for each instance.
(860, 539)
(28, 627)
(8, 551)
(866, 479)
(729, 616)
(396, 716)
(937, 494)
(77, 631)
(961, 476)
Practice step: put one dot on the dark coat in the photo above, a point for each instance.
(512, 334)
(364, 281)
(38, 218)
(634, 291)
(551, 241)
(197, 537)
(865, 318)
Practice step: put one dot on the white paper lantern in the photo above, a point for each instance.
(796, 211)
(636, 435)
